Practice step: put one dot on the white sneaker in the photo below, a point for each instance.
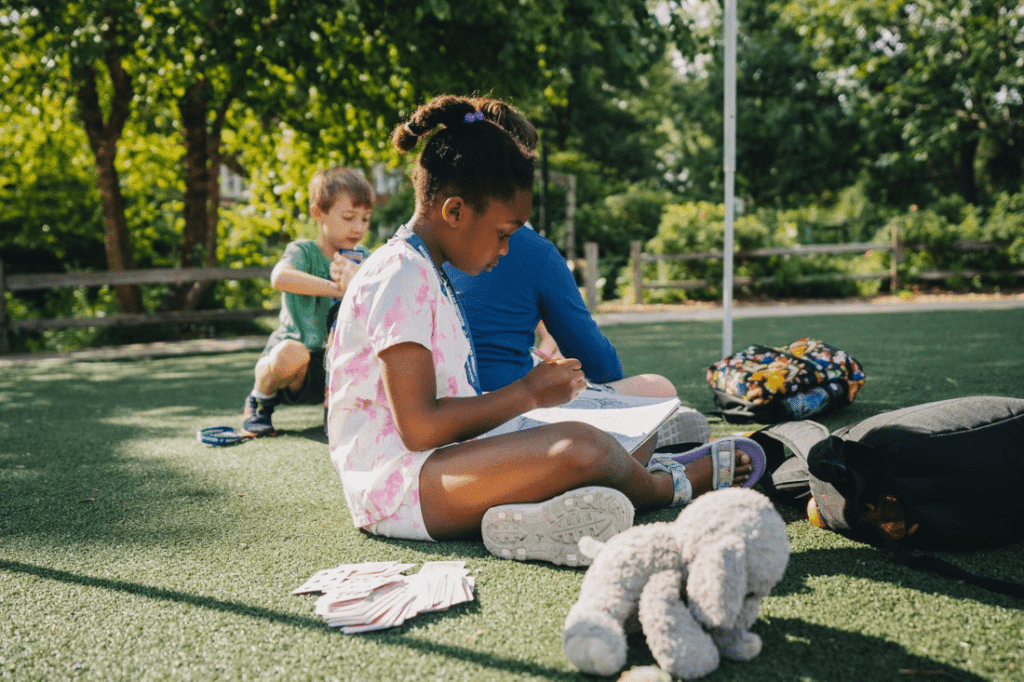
(686, 425)
(551, 530)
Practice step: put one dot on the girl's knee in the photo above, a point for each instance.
(586, 448)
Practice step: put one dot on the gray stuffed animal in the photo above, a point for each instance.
(727, 549)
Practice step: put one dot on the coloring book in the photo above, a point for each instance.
(629, 419)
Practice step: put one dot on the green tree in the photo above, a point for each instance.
(794, 141)
(64, 61)
(339, 74)
(49, 207)
(938, 87)
(186, 68)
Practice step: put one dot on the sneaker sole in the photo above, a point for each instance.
(551, 530)
(254, 434)
(684, 426)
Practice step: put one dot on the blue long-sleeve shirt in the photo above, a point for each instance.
(530, 283)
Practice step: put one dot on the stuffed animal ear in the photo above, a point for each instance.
(717, 582)
(590, 546)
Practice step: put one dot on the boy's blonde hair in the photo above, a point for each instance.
(327, 185)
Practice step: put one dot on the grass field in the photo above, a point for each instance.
(128, 551)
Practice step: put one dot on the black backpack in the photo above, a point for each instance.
(943, 475)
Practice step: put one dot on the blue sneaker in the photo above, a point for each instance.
(256, 417)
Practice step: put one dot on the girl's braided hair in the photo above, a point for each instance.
(479, 153)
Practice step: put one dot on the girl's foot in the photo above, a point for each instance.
(722, 463)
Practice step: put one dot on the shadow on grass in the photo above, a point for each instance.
(163, 594)
(88, 450)
(396, 637)
(875, 564)
(797, 650)
(793, 649)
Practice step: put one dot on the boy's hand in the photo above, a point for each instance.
(343, 269)
(554, 383)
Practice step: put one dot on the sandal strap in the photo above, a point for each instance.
(723, 463)
(681, 486)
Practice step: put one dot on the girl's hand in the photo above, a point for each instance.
(554, 383)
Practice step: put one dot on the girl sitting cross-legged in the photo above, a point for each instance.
(405, 410)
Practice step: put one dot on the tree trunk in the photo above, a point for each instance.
(103, 139)
(966, 178)
(202, 188)
(193, 107)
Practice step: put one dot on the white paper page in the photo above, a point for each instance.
(629, 419)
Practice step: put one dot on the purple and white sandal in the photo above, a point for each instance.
(723, 456)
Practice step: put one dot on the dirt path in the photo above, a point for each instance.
(609, 313)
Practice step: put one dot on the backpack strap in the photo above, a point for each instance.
(925, 562)
(786, 477)
(798, 436)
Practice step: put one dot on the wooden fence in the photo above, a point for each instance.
(896, 247)
(15, 283)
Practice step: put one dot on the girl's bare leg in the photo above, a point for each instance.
(460, 482)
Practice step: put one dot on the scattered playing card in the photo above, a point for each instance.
(375, 596)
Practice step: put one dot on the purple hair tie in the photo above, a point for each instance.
(473, 117)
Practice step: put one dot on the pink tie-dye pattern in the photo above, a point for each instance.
(423, 296)
(395, 315)
(388, 430)
(359, 308)
(383, 499)
(410, 306)
(361, 363)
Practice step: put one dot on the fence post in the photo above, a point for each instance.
(5, 343)
(895, 260)
(590, 253)
(638, 272)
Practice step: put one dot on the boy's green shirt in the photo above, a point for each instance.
(304, 318)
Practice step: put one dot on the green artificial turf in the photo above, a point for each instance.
(129, 551)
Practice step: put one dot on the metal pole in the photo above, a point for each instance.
(544, 183)
(730, 172)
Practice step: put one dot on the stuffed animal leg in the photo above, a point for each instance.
(730, 572)
(594, 638)
(719, 600)
(737, 644)
(676, 640)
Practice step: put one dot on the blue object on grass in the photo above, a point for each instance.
(219, 436)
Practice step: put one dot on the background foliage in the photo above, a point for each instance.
(116, 117)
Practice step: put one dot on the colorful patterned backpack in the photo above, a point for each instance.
(770, 385)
